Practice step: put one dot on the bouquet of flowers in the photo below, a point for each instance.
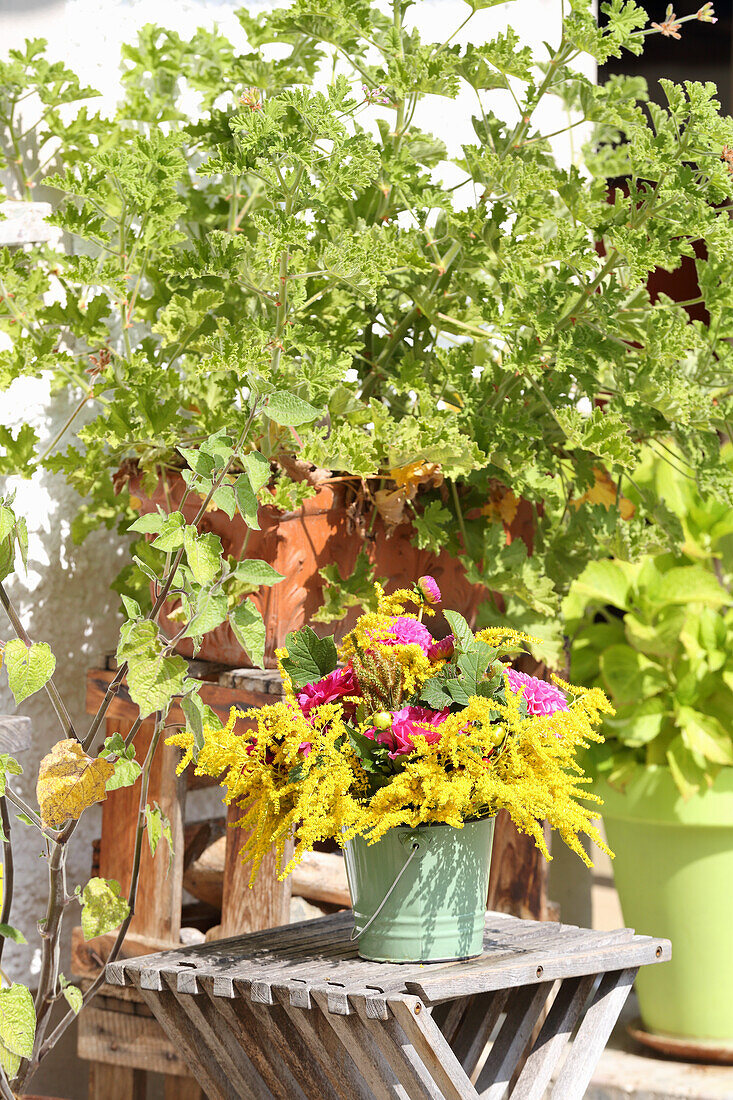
(396, 728)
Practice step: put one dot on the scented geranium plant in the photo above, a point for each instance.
(451, 353)
(397, 728)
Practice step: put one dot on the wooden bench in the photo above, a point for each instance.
(295, 1014)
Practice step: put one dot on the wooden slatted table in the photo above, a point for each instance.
(294, 1014)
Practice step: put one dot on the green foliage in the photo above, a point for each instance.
(309, 657)
(102, 908)
(122, 756)
(657, 635)
(158, 828)
(17, 1026)
(288, 255)
(29, 667)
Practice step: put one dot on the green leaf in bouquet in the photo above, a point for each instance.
(309, 658)
(461, 630)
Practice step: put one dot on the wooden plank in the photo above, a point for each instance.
(552, 1039)
(288, 1045)
(245, 909)
(401, 1056)
(354, 1035)
(337, 1061)
(160, 892)
(127, 1039)
(432, 1047)
(523, 1010)
(470, 1041)
(88, 956)
(519, 872)
(257, 1046)
(178, 1027)
(223, 1046)
(641, 951)
(593, 1034)
(108, 1082)
(176, 1089)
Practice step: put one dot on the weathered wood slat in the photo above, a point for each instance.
(242, 1022)
(432, 1047)
(178, 1028)
(523, 1010)
(227, 1050)
(321, 1040)
(593, 1034)
(552, 1039)
(354, 1035)
(475, 1032)
(403, 1059)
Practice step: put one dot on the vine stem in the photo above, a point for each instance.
(98, 982)
(51, 690)
(8, 869)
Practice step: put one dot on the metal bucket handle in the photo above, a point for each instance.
(414, 849)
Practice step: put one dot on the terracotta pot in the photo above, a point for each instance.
(299, 544)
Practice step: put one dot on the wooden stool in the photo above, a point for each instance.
(295, 1014)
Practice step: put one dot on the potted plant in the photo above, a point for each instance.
(403, 753)
(466, 364)
(658, 637)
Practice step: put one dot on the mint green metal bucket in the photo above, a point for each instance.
(437, 904)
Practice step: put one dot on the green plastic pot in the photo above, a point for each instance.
(436, 906)
(674, 876)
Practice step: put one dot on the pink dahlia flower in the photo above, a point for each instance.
(407, 631)
(406, 724)
(428, 589)
(540, 697)
(442, 650)
(330, 689)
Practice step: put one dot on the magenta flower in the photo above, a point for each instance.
(540, 697)
(407, 631)
(442, 650)
(330, 689)
(428, 589)
(406, 724)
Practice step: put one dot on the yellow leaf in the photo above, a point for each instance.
(503, 505)
(604, 491)
(69, 781)
(417, 473)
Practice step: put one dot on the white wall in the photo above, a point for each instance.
(64, 599)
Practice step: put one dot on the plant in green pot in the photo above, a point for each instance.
(658, 637)
(470, 365)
